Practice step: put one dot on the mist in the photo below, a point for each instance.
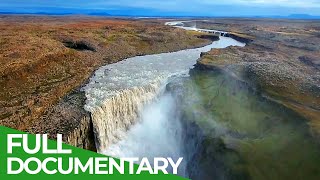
(158, 133)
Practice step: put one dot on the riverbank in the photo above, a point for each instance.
(280, 61)
(46, 60)
(133, 115)
(254, 107)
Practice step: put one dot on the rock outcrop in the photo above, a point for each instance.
(280, 62)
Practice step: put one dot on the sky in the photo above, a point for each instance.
(166, 8)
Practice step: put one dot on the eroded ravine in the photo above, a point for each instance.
(117, 93)
(150, 106)
(243, 135)
(131, 113)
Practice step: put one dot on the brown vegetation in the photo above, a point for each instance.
(44, 58)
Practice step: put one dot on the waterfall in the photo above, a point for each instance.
(118, 93)
(158, 133)
(116, 115)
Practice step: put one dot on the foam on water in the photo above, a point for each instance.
(158, 133)
(142, 70)
(129, 117)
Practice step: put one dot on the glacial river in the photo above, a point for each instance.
(131, 115)
(143, 70)
(160, 106)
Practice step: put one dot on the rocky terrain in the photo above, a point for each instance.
(281, 60)
(44, 61)
(253, 112)
(235, 133)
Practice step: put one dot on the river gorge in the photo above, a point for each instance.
(167, 105)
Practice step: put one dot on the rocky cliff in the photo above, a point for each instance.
(279, 60)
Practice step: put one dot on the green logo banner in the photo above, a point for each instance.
(34, 156)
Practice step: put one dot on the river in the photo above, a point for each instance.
(131, 114)
(159, 106)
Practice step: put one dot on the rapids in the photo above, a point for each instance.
(117, 93)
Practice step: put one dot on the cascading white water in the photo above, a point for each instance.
(158, 133)
(117, 114)
(131, 115)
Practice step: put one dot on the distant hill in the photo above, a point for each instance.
(303, 16)
(136, 12)
(57, 11)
